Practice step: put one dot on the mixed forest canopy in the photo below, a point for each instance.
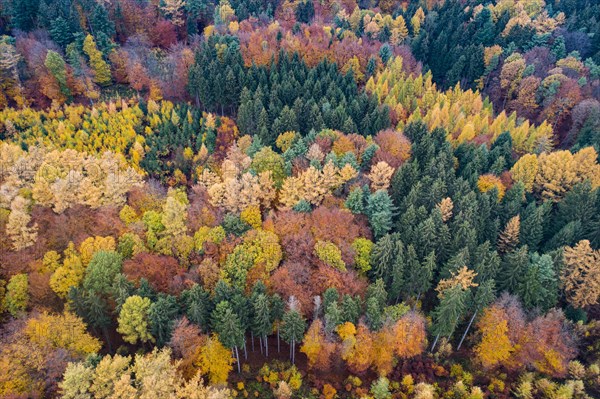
(386, 199)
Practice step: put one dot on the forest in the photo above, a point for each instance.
(300, 199)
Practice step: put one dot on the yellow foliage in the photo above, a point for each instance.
(488, 182)
(61, 331)
(215, 360)
(495, 346)
(252, 216)
(329, 253)
(91, 245)
(525, 171)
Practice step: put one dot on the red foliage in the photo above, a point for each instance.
(394, 148)
(160, 271)
(163, 34)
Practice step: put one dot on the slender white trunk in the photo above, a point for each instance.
(237, 356)
(467, 330)
(435, 342)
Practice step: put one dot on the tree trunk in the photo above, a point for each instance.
(245, 350)
(260, 342)
(467, 330)
(435, 342)
(278, 346)
(107, 338)
(252, 337)
(266, 346)
(237, 355)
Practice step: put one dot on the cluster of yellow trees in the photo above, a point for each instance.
(524, 13)
(465, 114)
(552, 175)
(58, 179)
(111, 126)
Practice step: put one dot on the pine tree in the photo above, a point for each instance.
(277, 311)
(57, 67)
(350, 309)
(419, 276)
(484, 295)
(380, 211)
(23, 14)
(120, 290)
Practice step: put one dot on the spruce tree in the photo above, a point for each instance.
(162, 315)
(262, 323)
(449, 312)
(198, 306)
(227, 325)
(292, 330)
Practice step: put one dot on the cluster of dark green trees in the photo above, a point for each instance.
(285, 96)
(423, 246)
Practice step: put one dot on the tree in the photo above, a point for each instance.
(197, 306)
(316, 347)
(162, 315)
(410, 335)
(380, 210)
(292, 330)
(215, 360)
(17, 294)
(57, 67)
(102, 271)
(262, 324)
(380, 176)
(509, 238)
(17, 228)
(330, 254)
(174, 10)
(419, 276)
(495, 346)
(448, 313)
(99, 66)
(539, 288)
(227, 325)
(133, 320)
(581, 274)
